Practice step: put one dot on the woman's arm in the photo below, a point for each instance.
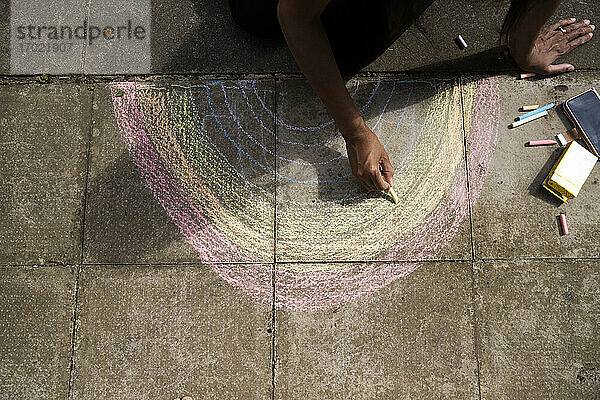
(300, 22)
(535, 47)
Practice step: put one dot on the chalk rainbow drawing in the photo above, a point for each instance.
(225, 165)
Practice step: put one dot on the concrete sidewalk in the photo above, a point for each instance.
(190, 234)
(506, 308)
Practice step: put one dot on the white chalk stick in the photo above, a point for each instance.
(393, 195)
(528, 119)
(460, 42)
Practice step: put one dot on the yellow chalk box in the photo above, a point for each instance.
(569, 173)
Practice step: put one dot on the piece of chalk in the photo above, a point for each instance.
(541, 142)
(527, 75)
(530, 108)
(538, 110)
(460, 42)
(529, 119)
(561, 139)
(393, 195)
(562, 218)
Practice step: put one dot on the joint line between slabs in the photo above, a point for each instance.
(87, 176)
(466, 158)
(97, 78)
(274, 265)
(73, 333)
(84, 44)
(82, 243)
(473, 297)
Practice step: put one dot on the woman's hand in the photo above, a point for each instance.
(368, 159)
(550, 44)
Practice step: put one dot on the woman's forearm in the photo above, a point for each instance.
(301, 25)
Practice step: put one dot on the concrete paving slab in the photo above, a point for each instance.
(538, 327)
(36, 321)
(324, 214)
(46, 37)
(5, 35)
(166, 332)
(214, 177)
(514, 216)
(428, 45)
(120, 38)
(201, 36)
(43, 158)
(412, 339)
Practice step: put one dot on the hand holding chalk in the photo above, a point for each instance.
(368, 159)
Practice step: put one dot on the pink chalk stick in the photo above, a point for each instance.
(563, 224)
(541, 142)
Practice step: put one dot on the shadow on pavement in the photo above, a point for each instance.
(123, 216)
(218, 43)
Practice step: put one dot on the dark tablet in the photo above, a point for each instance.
(584, 111)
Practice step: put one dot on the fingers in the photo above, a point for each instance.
(581, 30)
(373, 180)
(562, 23)
(559, 68)
(576, 25)
(378, 181)
(387, 170)
(581, 40)
(576, 34)
(364, 177)
(367, 182)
